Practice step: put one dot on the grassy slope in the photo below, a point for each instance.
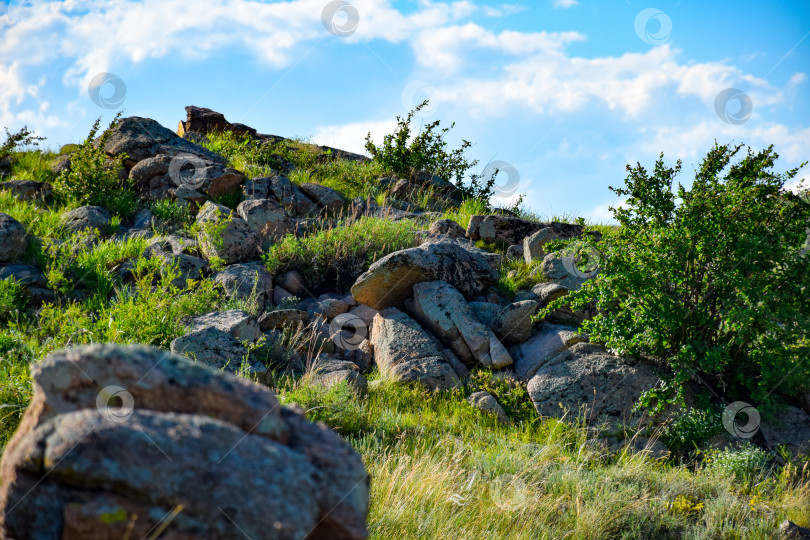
(439, 468)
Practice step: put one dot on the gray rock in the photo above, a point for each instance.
(86, 218)
(220, 350)
(486, 402)
(323, 196)
(390, 280)
(290, 197)
(237, 242)
(514, 252)
(281, 295)
(24, 274)
(329, 308)
(281, 317)
(244, 281)
(202, 120)
(791, 430)
(266, 217)
(404, 351)
(89, 459)
(235, 322)
(547, 292)
(29, 190)
(364, 313)
(256, 188)
(790, 531)
(448, 227)
(512, 230)
(533, 244)
(511, 323)
(442, 309)
(293, 282)
(549, 341)
(588, 376)
(562, 269)
(330, 372)
(13, 239)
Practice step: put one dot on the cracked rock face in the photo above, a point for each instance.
(216, 453)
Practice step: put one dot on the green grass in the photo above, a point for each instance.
(39, 219)
(32, 165)
(441, 469)
(332, 258)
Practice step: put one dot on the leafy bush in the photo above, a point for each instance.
(403, 154)
(93, 176)
(709, 279)
(744, 463)
(692, 427)
(24, 137)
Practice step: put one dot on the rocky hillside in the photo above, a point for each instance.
(247, 266)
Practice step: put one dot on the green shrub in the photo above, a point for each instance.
(404, 154)
(13, 299)
(744, 463)
(93, 176)
(24, 137)
(709, 279)
(331, 259)
(690, 428)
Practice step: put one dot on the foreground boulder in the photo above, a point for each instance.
(404, 351)
(390, 280)
(209, 455)
(588, 376)
(442, 309)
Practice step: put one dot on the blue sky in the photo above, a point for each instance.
(567, 92)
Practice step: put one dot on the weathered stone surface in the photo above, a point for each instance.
(511, 323)
(514, 252)
(290, 197)
(790, 531)
(364, 313)
(549, 341)
(323, 196)
(587, 375)
(13, 239)
(24, 274)
(547, 292)
(281, 295)
(164, 175)
(562, 269)
(235, 322)
(512, 230)
(486, 402)
(791, 429)
(266, 217)
(87, 217)
(244, 281)
(442, 309)
(293, 281)
(237, 242)
(533, 244)
(390, 280)
(280, 317)
(403, 350)
(448, 227)
(256, 188)
(329, 308)
(77, 459)
(202, 120)
(330, 372)
(142, 138)
(30, 190)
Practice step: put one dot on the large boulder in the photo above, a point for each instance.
(290, 197)
(202, 120)
(142, 138)
(164, 175)
(791, 430)
(30, 190)
(118, 438)
(448, 227)
(533, 244)
(512, 230)
(226, 235)
(390, 280)
(442, 309)
(266, 217)
(13, 239)
(324, 197)
(404, 351)
(587, 376)
(562, 269)
(86, 218)
(246, 281)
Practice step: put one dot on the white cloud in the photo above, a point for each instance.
(565, 3)
(352, 136)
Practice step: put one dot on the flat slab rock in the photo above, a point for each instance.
(239, 463)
